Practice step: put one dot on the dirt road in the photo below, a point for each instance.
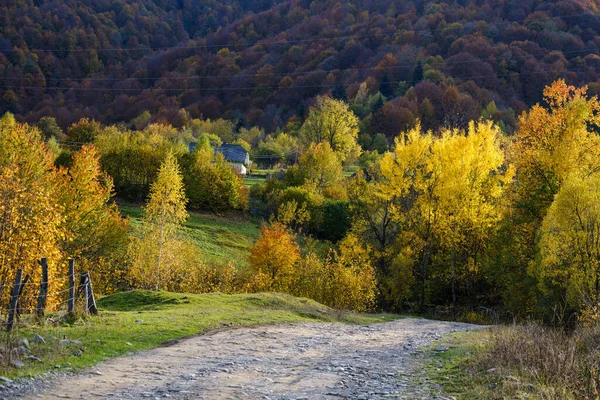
(290, 361)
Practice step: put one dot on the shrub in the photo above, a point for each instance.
(212, 184)
(344, 280)
(273, 257)
(335, 220)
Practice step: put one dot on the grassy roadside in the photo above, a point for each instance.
(528, 361)
(454, 369)
(139, 320)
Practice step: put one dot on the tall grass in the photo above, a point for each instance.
(560, 364)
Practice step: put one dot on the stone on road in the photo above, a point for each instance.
(286, 361)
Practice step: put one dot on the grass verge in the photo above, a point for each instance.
(139, 320)
(453, 368)
(519, 362)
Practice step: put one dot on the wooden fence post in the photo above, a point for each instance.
(71, 301)
(91, 301)
(42, 297)
(21, 288)
(14, 297)
(85, 278)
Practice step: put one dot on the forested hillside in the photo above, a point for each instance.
(261, 63)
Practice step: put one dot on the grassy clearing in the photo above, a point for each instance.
(250, 181)
(221, 239)
(163, 316)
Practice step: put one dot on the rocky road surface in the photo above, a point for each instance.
(287, 361)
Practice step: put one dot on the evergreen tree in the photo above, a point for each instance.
(378, 104)
(386, 87)
(339, 92)
(418, 73)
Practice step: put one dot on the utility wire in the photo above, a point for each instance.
(167, 78)
(352, 36)
(188, 89)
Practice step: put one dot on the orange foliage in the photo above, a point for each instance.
(273, 257)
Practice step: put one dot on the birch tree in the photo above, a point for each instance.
(165, 212)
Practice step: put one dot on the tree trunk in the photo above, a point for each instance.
(160, 248)
(424, 267)
(453, 282)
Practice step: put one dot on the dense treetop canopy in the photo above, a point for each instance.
(262, 63)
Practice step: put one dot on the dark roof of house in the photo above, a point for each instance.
(233, 153)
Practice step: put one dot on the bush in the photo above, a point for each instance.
(272, 258)
(335, 221)
(345, 280)
(212, 184)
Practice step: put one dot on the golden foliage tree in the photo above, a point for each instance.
(570, 242)
(273, 258)
(450, 189)
(165, 212)
(554, 144)
(30, 217)
(95, 232)
(321, 166)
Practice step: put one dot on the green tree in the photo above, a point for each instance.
(331, 121)
(321, 166)
(49, 128)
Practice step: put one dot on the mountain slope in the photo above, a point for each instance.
(261, 63)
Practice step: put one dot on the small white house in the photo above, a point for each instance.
(236, 155)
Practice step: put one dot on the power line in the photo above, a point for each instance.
(166, 78)
(465, 78)
(210, 46)
(286, 153)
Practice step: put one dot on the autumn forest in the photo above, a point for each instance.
(427, 157)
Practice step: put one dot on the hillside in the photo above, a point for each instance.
(220, 239)
(261, 63)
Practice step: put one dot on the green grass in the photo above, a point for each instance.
(453, 369)
(250, 181)
(164, 316)
(221, 239)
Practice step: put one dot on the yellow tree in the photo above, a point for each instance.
(554, 144)
(473, 183)
(30, 218)
(95, 232)
(165, 212)
(413, 174)
(273, 257)
(449, 190)
(570, 242)
(331, 121)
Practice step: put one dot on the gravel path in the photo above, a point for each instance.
(288, 361)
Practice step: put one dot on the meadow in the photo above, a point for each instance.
(222, 239)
